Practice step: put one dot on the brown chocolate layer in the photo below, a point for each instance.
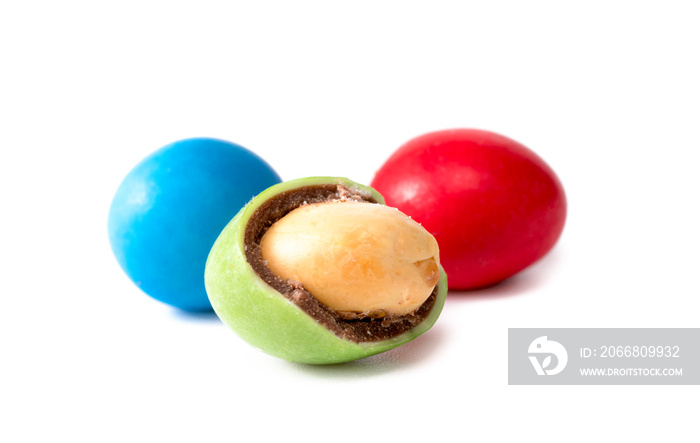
(358, 329)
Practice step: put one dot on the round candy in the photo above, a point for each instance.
(169, 210)
(493, 205)
(356, 246)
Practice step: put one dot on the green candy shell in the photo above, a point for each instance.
(269, 321)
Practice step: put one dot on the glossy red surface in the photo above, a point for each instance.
(493, 205)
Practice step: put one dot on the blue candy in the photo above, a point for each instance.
(170, 209)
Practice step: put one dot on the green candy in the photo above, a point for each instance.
(271, 321)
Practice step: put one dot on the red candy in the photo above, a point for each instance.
(493, 205)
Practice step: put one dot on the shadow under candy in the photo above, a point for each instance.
(521, 283)
(196, 316)
(402, 357)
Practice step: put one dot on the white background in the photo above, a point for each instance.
(608, 93)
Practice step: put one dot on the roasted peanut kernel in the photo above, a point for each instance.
(355, 257)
